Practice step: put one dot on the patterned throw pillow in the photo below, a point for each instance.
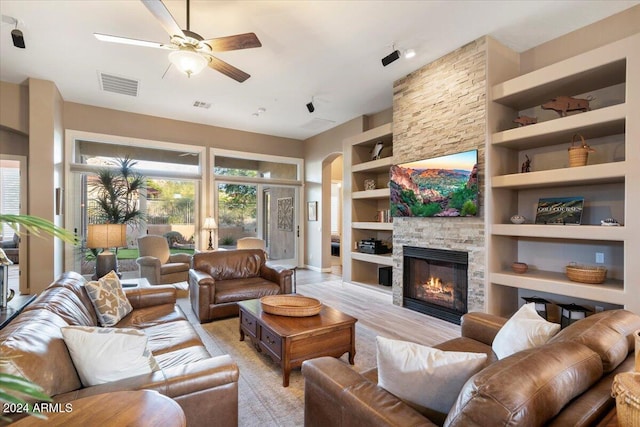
(103, 355)
(108, 299)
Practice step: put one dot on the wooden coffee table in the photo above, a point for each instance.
(292, 340)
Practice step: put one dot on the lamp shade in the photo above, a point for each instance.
(188, 61)
(107, 235)
(209, 223)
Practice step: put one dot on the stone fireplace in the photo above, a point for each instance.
(435, 282)
(440, 109)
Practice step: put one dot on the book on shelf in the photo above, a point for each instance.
(383, 216)
(560, 210)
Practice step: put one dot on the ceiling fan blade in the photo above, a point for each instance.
(228, 69)
(134, 42)
(239, 41)
(162, 14)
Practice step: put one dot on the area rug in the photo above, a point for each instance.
(262, 399)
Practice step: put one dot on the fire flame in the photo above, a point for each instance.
(434, 285)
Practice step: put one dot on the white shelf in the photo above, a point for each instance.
(578, 232)
(599, 68)
(594, 174)
(380, 165)
(592, 124)
(611, 291)
(372, 135)
(379, 193)
(385, 259)
(384, 226)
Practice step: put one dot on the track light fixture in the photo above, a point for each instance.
(390, 58)
(310, 106)
(18, 38)
(16, 34)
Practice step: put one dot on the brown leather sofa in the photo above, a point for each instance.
(566, 382)
(219, 279)
(205, 387)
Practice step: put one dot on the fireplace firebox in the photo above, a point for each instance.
(435, 282)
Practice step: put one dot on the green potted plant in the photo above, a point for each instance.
(15, 390)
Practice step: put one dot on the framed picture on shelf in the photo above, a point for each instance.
(312, 211)
(560, 210)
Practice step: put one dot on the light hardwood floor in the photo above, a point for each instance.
(374, 309)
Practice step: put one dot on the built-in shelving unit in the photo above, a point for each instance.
(609, 183)
(362, 205)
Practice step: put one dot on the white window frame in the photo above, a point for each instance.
(299, 223)
(71, 136)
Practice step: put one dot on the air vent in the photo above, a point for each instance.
(118, 84)
(202, 104)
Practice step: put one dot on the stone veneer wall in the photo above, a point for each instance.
(440, 109)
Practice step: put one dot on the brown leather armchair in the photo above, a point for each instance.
(219, 279)
(158, 265)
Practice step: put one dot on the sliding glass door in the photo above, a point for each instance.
(259, 197)
(267, 212)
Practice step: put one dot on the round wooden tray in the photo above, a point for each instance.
(290, 305)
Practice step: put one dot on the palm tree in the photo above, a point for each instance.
(116, 191)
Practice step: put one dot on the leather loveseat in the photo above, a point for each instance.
(205, 387)
(219, 279)
(566, 382)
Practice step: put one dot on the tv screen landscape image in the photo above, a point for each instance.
(444, 186)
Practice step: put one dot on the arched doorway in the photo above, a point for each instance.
(332, 218)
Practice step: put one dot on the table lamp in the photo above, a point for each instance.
(106, 236)
(210, 224)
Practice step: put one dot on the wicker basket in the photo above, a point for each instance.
(578, 154)
(626, 390)
(586, 273)
(290, 305)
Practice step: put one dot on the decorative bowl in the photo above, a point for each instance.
(519, 267)
(518, 219)
(290, 305)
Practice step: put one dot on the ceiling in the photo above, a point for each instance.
(328, 50)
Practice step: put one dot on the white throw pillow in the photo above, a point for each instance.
(422, 376)
(108, 299)
(526, 329)
(103, 355)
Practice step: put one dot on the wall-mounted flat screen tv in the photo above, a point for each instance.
(444, 186)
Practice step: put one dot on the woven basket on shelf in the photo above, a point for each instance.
(586, 273)
(626, 390)
(290, 305)
(578, 154)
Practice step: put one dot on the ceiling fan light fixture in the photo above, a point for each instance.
(188, 61)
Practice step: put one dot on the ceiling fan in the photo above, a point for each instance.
(190, 53)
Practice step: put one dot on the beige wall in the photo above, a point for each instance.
(113, 122)
(598, 34)
(336, 169)
(14, 107)
(13, 143)
(45, 173)
(319, 152)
